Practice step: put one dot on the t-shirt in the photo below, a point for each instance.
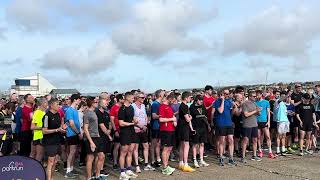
(175, 108)
(51, 121)
(183, 110)
(305, 112)
(90, 118)
(165, 111)
(114, 112)
(37, 120)
(65, 108)
(27, 113)
(251, 121)
(72, 114)
(199, 116)
(282, 112)
(155, 109)
(290, 109)
(265, 105)
(141, 115)
(80, 119)
(296, 97)
(316, 98)
(103, 118)
(126, 114)
(208, 102)
(223, 119)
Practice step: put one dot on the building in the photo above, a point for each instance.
(34, 85)
(62, 93)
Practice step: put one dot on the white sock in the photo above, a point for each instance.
(159, 160)
(283, 149)
(270, 150)
(69, 170)
(123, 173)
(186, 164)
(181, 163)
(278, 149)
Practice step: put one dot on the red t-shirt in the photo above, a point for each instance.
(114, 112)
(165, 111)
(208, 102)
(61, 113)
(27, 113)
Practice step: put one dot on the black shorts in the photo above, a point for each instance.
(201, 136)
(127, 137)
(73, 140)
(37, 142)
(100, 145)
(141, 137)
(224, 131)
(52, 150)
(296, 122)
(184, 133)
(6, 147)
(63, 139)
(307, 126)
(155, 134)
(250, 132)
(262, 125)
(237, 130)
(273, 125)
(168, 138)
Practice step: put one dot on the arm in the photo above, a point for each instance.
(122, 123)
(248, 114)
(112, 123)
(104, 129)
(155, 116)
(87, 134)
(73, 126)
(45, 129)
(221, 108)
(34, 127)
(167, 119)
(299, 119)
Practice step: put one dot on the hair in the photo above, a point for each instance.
(275, 91)
(119, 97)
(185, 95)
(283, 92)
(158, 93)
(239, 89)
(52, 101)
(82, 103)
(40, 101)
(171, 96)
(127, 94)
(208, 87)
(10, 106)
(258, 91)
(198, 97)
(25, 97)
(250, 93)
(74, 97)
(90, 101)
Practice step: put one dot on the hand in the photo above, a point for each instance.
(174, 119)
(110, 138)
(135, 121)
(301, 124)
(222, 97)
(175, 124)
(92, 147)
(268, 125)
(144, 128)
(108, 132)
(61, 130)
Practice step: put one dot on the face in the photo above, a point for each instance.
(30, 99)
(45, 105)
(130, 98)
(283, 97)
(318, 88)
(226, 94)
(104, 103)
(209, 92)
(140, 98)
(55, 106)
(299, 88)
(239, 97)
(95, 104)
(200, 102)
(67, 101)
(253, 97)
(165, 100)
(14, 97)
(277, 95)
(259, 96)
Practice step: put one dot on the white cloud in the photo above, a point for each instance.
(82, 62)
(275, 32)
(47, 15)
(161, 26)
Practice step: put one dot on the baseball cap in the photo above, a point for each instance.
(306, 96)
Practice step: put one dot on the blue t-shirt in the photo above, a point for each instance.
(290, 108)
(155, 125)
(223, 119)
(264, 104)
(65, 108)
(72, 114)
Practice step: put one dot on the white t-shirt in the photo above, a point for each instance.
(141, 114)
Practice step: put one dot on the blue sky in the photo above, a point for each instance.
(149, 44)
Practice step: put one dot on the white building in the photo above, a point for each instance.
(34, 85)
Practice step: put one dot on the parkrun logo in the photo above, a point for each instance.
(13, 166)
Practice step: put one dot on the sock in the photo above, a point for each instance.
(158, 160)
(122, 170)
(278, 149)
(181, 163)
(201, 159)
(71, 168)
(283, 149)
(68, 170)
(270, 150)
(129, 168)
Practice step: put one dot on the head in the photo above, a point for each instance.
(120, 98)
(75, 99)
(48, 97)
(172, 98)
(276, 94)
(239, 90)
(140, 97)
(306, 98)
(186, 96)
(10, 107)
(13, 97)
(226, 93)
(82, 106)
(92, 102)
(298, 88)
(208, 90)
(54, 104)
(159, 94)
(129, 97)
(103, 101)
(259, 94)
(252, 96)
(317, 88)
(283, 95)
(42, 103)
(29, 99)
(238, 97)
(198, 100)
(67, 101)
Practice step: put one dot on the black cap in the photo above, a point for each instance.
(306, 96)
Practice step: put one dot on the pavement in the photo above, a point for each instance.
(289, 167)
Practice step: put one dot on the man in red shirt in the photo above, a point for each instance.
(168, 122)
(26, 133)
(208, 101)
(115, 126)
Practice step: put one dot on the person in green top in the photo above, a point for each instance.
(36, 127)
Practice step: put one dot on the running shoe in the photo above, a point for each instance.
(271, 156)
(243, 160)
(138, 170)
(260, 154)
(203, 164)
(196, 164)
(232, 162)
(149, 168)
(256, 158)
(124, 176)
(221, 163)
(166, 171)
(290, 150)
(69, 175)
(131, 174)
(187, 169)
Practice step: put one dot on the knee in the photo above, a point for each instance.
(101, 157)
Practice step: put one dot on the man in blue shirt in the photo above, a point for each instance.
(73, 132)
(222, 113)
(263, 124)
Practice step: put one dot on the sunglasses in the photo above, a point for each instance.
(142, 97)
(254, 96)
(96, 102)
(226, 93)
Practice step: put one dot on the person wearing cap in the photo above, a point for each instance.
(73, 133)
(306, 116)
(202, 127)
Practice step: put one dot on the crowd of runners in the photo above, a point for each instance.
(141, 132)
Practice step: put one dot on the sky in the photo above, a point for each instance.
(108, 45)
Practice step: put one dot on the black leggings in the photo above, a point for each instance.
(25, 143)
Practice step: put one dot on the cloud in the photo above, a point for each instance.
(161, 26)
(2, 31)
(12, 62)
(275, 32)
(79, 61)
(47, 15)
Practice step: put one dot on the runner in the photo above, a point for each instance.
(184, 132)
(93, 141)
(202, 127)
(6, 135)
(208, 100)
(155, 126)
(263, 124)
(141, 131)
(296, 97)
(250, 126)
(36, 126)
(73, 133)
(51, 136)
(306, 116)
(168, 122)
(222, 110)
(115, 126)
(291, 114)
(127, 123)
(26, 133)
(237, 121)
(81, 109)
